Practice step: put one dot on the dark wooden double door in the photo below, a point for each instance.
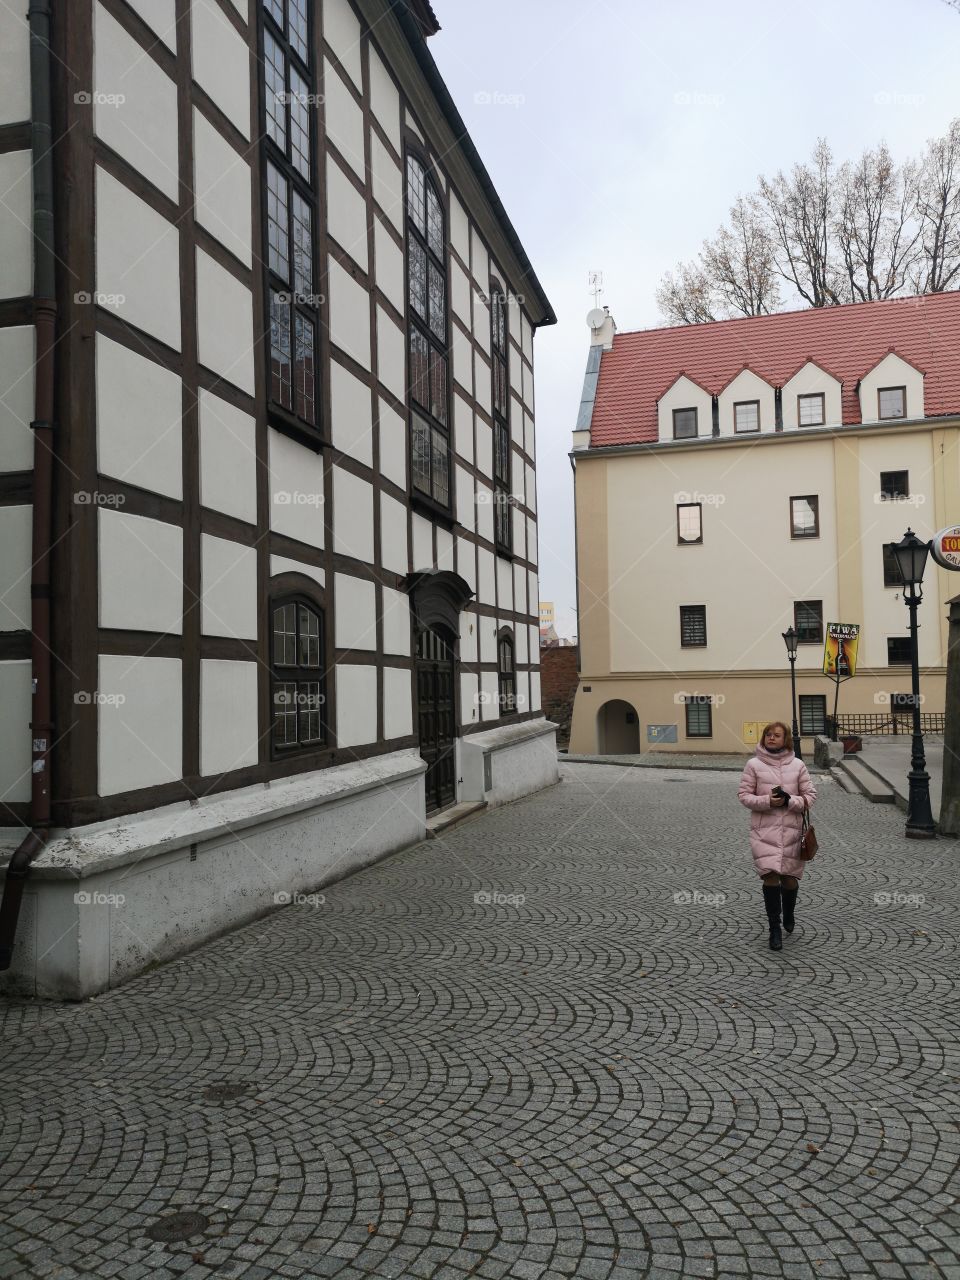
(437, 713)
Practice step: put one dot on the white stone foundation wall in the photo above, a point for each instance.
(504, 764)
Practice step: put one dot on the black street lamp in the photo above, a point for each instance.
(790, 638)
(911, 556)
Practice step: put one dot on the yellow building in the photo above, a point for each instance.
(737, 478)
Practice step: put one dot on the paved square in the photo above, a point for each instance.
(594, 1069)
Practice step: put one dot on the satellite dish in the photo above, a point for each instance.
(596, 317)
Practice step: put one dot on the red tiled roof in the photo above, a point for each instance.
(847, 341)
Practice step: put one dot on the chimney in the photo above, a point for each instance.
(601, 332)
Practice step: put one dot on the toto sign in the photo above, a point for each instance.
(945, 547)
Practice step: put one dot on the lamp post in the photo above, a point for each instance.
(790, 638)
(911, 557)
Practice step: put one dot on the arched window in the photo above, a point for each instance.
(506, 671)
(427, 311)
(289, 89)
(502, 516)
(297, 692)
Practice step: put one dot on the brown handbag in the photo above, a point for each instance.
(809, 844)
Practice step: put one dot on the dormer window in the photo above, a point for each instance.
(892, 402)
(684, 424)
(810, 410)
(746, 415)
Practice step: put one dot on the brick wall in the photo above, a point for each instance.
(558, 684)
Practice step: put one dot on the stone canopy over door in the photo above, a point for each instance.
(437, 597)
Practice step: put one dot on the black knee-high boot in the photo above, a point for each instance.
(771, 900)
(789, 897)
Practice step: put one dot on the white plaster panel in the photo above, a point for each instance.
(393, 535)
(138, 261)
(391, 355)
(484, 511)
(486, 585)
(534, 690)
(480, 259)
(515, 363)
(221, 62)
(224, 323)
(228, 716)
(160, 16)
(283, 564)
(483, 382)
(341, 30)
(519, 530)
(466, 505)
(140, 741)
(459, 229)
(519, 587)
(241, 8)
(533, 589)
(396, 622)
(389, 264)
(462, 360)
(534, 631)
(522, 641)
(16, 539)
(17, 353)
(139, 419)
(349, 314)
(222, 188)
(393, 445)
(352, 515)
(468, 636)
(463, 428)
(346, 213)
(444, 548)
(141, 573)
(528, 387)
(505, 583)
(489, 696)
(526, 337)
(228, 459)
(532, 549)
(134, 104)
(356, 705)
(467, 562)
(487, 631)
(484, 448)
(384, 99)
(16, 224)
(15, 711)
(422, 544)
(529, 437)
(351, 421)
(531, 487)
(523, 691)
(387, 181)
(14, 62)
(296, 490)
(460, 294)
(412, 123)
(481, 317)
(469, 700)
(397, 702)
(355, 613)
(228, 588)
(343, 119)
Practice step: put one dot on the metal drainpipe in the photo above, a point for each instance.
(45, 317)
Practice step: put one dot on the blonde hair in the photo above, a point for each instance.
(787, 735)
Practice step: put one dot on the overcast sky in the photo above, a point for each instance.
(619, 132)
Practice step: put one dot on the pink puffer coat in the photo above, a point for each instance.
(775, 833)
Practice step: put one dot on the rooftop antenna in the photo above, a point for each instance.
(597, 315)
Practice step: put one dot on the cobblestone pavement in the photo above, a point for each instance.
(612, 1078)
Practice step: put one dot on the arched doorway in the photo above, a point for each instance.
(618, 729)
(437, 715)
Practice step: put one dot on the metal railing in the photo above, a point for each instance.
(871, 724)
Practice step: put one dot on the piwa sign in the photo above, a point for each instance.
(945, 547)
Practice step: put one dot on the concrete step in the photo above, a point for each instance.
(867, 781)
(844, 781)
(437, 823)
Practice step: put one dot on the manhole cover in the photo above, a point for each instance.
(227, 1091)
(178, 1226)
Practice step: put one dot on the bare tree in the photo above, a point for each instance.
(687, 296)
(877, 234)
(799, 213)
(938, 212)
(739, 263)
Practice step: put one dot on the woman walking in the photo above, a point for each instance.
(775, 786)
